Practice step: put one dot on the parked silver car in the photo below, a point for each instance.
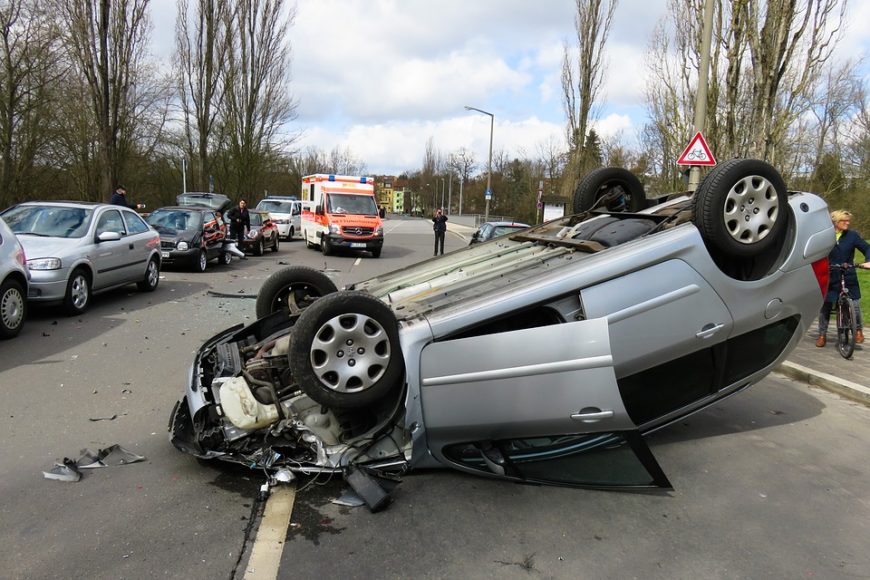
(14, 278)
(77, 249)
(543, 356)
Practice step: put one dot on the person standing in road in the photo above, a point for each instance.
(440, 227)
(240, 220)
(120, 198)
(844, 253)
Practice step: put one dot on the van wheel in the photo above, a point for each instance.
(325, 248)
(292, 290)
(376, 253)
(291, 234)
(345, 351)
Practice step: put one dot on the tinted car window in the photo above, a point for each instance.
(135, 224)
(53, 221)
(175, 219)
(276, 206)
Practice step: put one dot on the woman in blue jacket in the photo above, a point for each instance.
(844, 253)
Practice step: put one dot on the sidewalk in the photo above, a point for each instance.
(825, 368)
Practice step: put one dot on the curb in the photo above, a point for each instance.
(848, 389)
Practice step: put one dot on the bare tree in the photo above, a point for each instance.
(28, 72)
(106, 41)
(582, 78)
(200, 49)
(462, 163)
(258, 104)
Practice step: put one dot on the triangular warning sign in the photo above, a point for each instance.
(697, 153)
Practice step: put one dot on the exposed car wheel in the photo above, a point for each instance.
(325, 248)
(626, 189)
(200, 262)
(226, 258)
(292, 289)
(290, 234)
(740, 207)
(376, 253)
(275, 245)
(13, 308)
(259, 249)
(152, 277)
(345, 351)
(78, 292)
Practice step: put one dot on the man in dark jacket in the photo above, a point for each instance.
(120, 198)
(844, 253)
(440, 227)
(240, 220)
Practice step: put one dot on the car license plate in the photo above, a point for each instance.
(357, 245)
(164, 254)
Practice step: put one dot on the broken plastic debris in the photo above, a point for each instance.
(109, 418)
(66, 471)
(117, 455)
(284, 475)
(349, 499)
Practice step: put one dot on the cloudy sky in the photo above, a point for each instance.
(380, 77)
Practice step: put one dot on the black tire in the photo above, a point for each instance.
(846, 327)
(376, 253)
(13, 308)
(345, 351)
(78, 292)
(741, 208)
(291, 233)
(325, 248)
(199, 262)
(276, 244)
(308, 244)
(152, 277)
(292, 290)
(606, 180)
(260, 248)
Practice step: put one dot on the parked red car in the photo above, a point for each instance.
(263, 234)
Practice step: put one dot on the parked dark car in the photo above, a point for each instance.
(190, 236)
(14, 279)
(542, 358)
(263, 234)
(77, 249)
(490, 230)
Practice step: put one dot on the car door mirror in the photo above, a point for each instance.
(108, 237)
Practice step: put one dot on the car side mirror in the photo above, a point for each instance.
(475, 236)
(108, 237)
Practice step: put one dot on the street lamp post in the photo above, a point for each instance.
(489, 163)
(442, 194)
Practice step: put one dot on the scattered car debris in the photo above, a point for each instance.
(226, 295)
(109, 418)
(113, 455)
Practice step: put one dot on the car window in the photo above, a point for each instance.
(174, 219)
(502, 230)
(297, 208)
(50, 220)
(135, 224)
(600, 460)
(110, 221)
(256, 219)
(276, 206)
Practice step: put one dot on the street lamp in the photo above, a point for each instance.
(489, 163)
(442, 194)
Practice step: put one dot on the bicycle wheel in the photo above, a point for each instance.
(845, 326)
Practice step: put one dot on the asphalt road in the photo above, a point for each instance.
(772, 483)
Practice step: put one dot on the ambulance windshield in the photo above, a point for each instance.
(349, 203)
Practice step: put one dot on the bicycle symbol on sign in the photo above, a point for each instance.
(696, 155)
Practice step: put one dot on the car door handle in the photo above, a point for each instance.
(131, 246)
(591, 415)
(709, 330)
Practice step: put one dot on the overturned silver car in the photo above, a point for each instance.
(543, 356)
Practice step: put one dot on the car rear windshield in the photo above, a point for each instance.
(352, 203)
(177, 220)
(49, 220)
(212, 200)
(274, 206)
(502, 230)
(256, 218)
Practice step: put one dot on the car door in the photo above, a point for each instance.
(212, 235)
(109, 256)
(538, 404)
(141, 242)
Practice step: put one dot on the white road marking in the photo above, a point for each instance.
(269, 545)
(357, 262)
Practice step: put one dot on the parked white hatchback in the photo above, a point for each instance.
(77, 249)
(14, 278)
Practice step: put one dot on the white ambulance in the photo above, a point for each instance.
(340, 211)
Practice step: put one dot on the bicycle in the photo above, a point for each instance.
(845, 308)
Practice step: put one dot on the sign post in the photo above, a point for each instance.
(696, 155)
